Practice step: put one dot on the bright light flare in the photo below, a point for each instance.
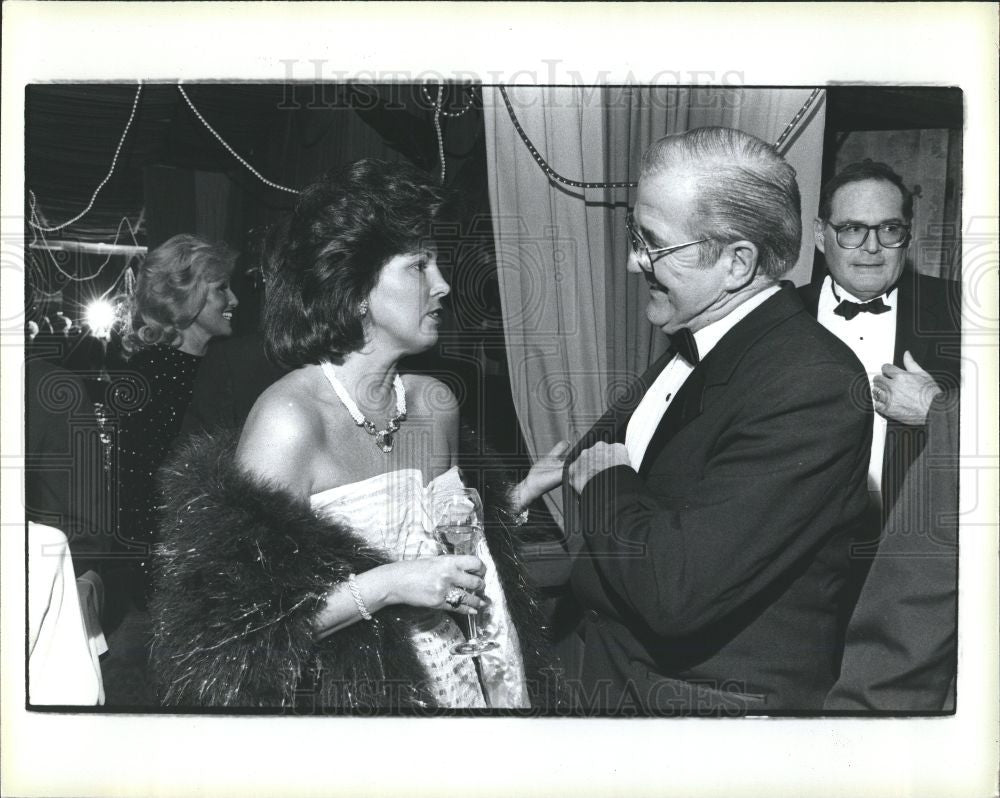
(100, 317)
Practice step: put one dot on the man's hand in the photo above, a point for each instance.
(904, 395)
(597, 458)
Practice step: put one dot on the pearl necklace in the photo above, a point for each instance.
(383, 438)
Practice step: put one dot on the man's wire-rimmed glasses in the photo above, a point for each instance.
(644, 255)
(852, 235)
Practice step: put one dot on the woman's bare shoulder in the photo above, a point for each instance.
(284, 427)
(291, 401)
(432, 400)
(428, 394)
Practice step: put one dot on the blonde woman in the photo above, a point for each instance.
(182, 300)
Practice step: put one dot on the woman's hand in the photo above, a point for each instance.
(428, 581)
(599, 457)
(544, 475)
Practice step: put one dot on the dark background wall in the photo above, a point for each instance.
(918, 132)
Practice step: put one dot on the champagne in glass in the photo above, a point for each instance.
(458, 538)
(458, 526)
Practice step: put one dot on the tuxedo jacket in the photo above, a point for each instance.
(711, 579)
(901, 645)
(928, 325)
(233, 375)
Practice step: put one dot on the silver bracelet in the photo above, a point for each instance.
(352, 585)
(517, 519)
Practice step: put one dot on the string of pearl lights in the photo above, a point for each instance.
(114, 162)
(38, 232)
(437, 129)
(439, 111)
(554, 175)
(231, 151)
(39, 229)
(444, 112)
(35, 219)
(779, 144)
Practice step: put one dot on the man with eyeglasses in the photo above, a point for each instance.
(905, 329)
(714, 509)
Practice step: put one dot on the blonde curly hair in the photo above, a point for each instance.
(171, 288)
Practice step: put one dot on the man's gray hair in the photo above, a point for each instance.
(746, 191)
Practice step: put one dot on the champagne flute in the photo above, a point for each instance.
(458, 525)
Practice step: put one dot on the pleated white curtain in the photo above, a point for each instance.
(574, 320)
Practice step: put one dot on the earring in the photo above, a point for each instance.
(363, 307)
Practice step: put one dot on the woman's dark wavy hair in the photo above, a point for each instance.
(343, 230)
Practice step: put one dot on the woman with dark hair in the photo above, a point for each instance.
(181, 301)
(303, 569)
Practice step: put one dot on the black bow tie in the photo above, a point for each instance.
(849, 309)
(684, 344)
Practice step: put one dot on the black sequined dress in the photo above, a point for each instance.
(152, 401)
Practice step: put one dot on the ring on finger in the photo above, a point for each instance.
(454, 597)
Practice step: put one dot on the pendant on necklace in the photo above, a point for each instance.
(383, 438)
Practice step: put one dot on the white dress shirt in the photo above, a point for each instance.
(657, 399)
(872, 337)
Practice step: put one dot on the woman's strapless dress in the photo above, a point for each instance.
(391, 511)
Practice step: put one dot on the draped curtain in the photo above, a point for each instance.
(574, 320)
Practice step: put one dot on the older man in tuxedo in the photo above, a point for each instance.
(715, 508)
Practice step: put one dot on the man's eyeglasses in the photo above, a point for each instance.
(852, 235)
(643, 254)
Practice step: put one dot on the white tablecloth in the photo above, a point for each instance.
(64, 634)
